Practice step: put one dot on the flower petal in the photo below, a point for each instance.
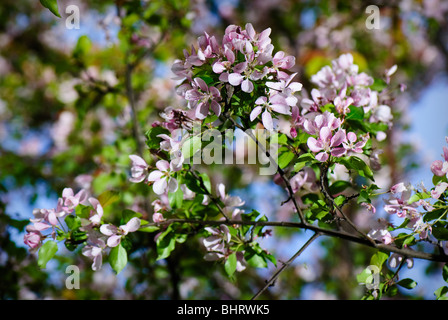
(163, 165)
(160, 186)
(235, 79)
(267, 121)
(113, 240)
(255, 113)
(108, 229)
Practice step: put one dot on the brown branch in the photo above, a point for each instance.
(272, 160)
(212, 197)
(328, 232)
(286, 264)
(326, 192)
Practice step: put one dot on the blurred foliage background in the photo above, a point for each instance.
(74, 103)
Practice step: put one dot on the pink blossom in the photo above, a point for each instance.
(216, 242)
(306, 179)
(314, 122)
(422, 228)
(439, 190)
(228, 200)
(115, 234)
(202, 97)
(97, 213)
(396, 259)
(139, 169)
(70, 200)
(94, 249)
(33, 239)
(163, 181)
(401, 207)
(351, 145)
(277, 103)
(317, 100)
(327, 144)
(440, 168)
(380, 232)
(175, 119)
(370, 207)
(287, 89)
(397, 188)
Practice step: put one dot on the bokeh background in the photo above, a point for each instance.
(66, 121)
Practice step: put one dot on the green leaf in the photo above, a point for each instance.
(407, 283)
(357, 164)
(339, 186)
(445, 272)
(46, 253)
(363, 276)
(191, 146)
(378, 259)
(436, 179)
(176, 198)
(419, 195)
(255, 257)
(278, 138)
(441, 233)
(356, 113)
(441, 293)
(230, 264)
(118, 258)
(299, 166)
(73, 222)
(195, 185)
(51, 5)
(128, 214)
(285, 158)
(82, 47)
(83, 211)
(378, 84)
(152, 139)
(166, 243)
(433, 215)
(149, 229)
(108, 197)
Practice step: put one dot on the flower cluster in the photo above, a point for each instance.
(49, 218)
(78, 219)
(343, 97)
(243, 61)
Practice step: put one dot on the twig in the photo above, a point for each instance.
(285, 265)
(299, 225)
(212, 197)
(272, 160)
(326, 192)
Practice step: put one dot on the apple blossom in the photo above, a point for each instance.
(276, 103)
(139, 169)
(162, 179)
(327, 144)
(116, 233)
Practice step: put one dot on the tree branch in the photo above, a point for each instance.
(327, 232)
(286, 264)
(272, 160)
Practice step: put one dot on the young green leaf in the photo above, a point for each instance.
(46, 253)
(51, 5)
(108, 197)
(378, 259)
(118, 258)
(407, 283)
(285, 158)
(72, 222)
(445, 272)
(230, 264)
